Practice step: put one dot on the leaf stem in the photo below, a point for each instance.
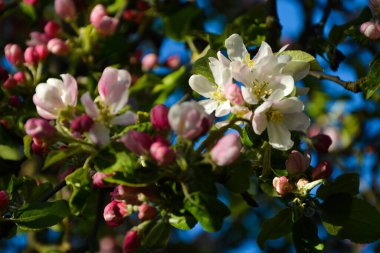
(351, 86)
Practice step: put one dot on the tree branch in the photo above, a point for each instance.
(248, 198)
(274, 26)
(57, 188)
(351, 86)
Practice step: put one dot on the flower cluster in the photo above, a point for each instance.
(260, 89)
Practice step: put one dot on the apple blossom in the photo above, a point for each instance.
(189, 120)
(115, 212)
(161, 152)
(279, 115)
(13, 53)
(226, 150)
(323, 170)
(147, 212)
(65, 9)
(297, 162)
(159, 117)
(215, 94)
(57, 46)
(137, 142)
(103, 24)
(52, 29)
(371, 30)
(282, 185)
(39, 128)
(132, 242)
(55, 96)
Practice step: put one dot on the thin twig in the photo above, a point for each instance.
(248, 198)
(56, 189)
(351, 86)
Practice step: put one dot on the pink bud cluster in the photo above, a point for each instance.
(103, 23)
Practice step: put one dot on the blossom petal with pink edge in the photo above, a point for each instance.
(125, 119)
(70, 90)
(99, 134)
(236, 49)
(89, 106)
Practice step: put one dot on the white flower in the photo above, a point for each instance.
(55, 95)
(280, 115)
(215, 93)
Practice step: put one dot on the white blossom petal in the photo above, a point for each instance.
(223, 109)
(289, 105)
(264, 51)
(226, 62)
(99, 134)
(236, 49)
(209, 105)
(89, 106)
(297, 121)
(242, 73)
(125, 119)
(279, 136)
(286, 82)
(249, 98)
(201, 85)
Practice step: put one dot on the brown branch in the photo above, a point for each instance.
(248, 198)
(351, 86)
(56, 189)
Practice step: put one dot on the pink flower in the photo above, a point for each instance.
(52, 29)
(137, 142)
(233, 93)
(97, 179)
(39, 128)
(55, 95)
(297, 162)
(322, 171)
(149, 61)
(132, 242)
(31, 56)
(58, 46)
(162, 153)
(226, 150)
(189, 120)
(13, 53)
(103, 24)
(65, 9)
(4, 201)
(281, 184)
(147, 212)
(115, 212)
(371, 30)
(159, 117)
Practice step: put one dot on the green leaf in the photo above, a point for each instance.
(239, 178)
(27, 144)
(248, 136)
(346, 183)
(275, 227)
(202, 66)
(301, 56)
(9, 148)
(138, 178)
(372, 83)
(158, 236)
(59, 155)
(41, 215)
(170, 82)
(28, 10)
(305, 236)
(178, 24)
(185, 222)
(207, 209)
(360, 225)
(80, 180)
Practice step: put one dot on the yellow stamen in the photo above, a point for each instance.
(248, 60)
(275, 116)
(260, 90)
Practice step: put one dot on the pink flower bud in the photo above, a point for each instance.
(297, 162)
(126, 193)
(97, 179)
(4, 201)
(226, 150)
(10, 83)
(13, 53)
(132, 242)
(147, 212)
(42, 51)
(103, 24)
(149, 61)
(322, 171)
(371, 30)
(65, 9)
(115, 212)
(31, 2)
(39, 128)
(162, 152)
(15, 101)
(52, 29)
(39, 147)
(31, 56)
(189, 120)
(321, 143)
(159, 117)
(37, 38)
(233, 94)
(19, 77)
(173, 61)
(58, 46)
(108, 245)
(281, 184)
(137, 142)
(81, 124)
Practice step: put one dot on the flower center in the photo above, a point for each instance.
(275, 116)
(248, 60)
(219, 95)
(260, 89)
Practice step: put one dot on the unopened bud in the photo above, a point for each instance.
(159, 117)
(162, 153)
(132, 242)
(65, 9)
(19, 77)
(147, 212)
(126, 193)
(115, 212)
(322, 171)
(13, 53)
(282, 185)
(226, 150)
(42, 52)
(149, 61)
(321, 143)
(57, 46)
(82, 124)
(173, 61)
(31, 2)
(137, 142)
(31, 56)
(371, 30)
(97, 179)
(297, 162)
(233, 94)
(39, 128)
(10, 83)
(52, 29)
